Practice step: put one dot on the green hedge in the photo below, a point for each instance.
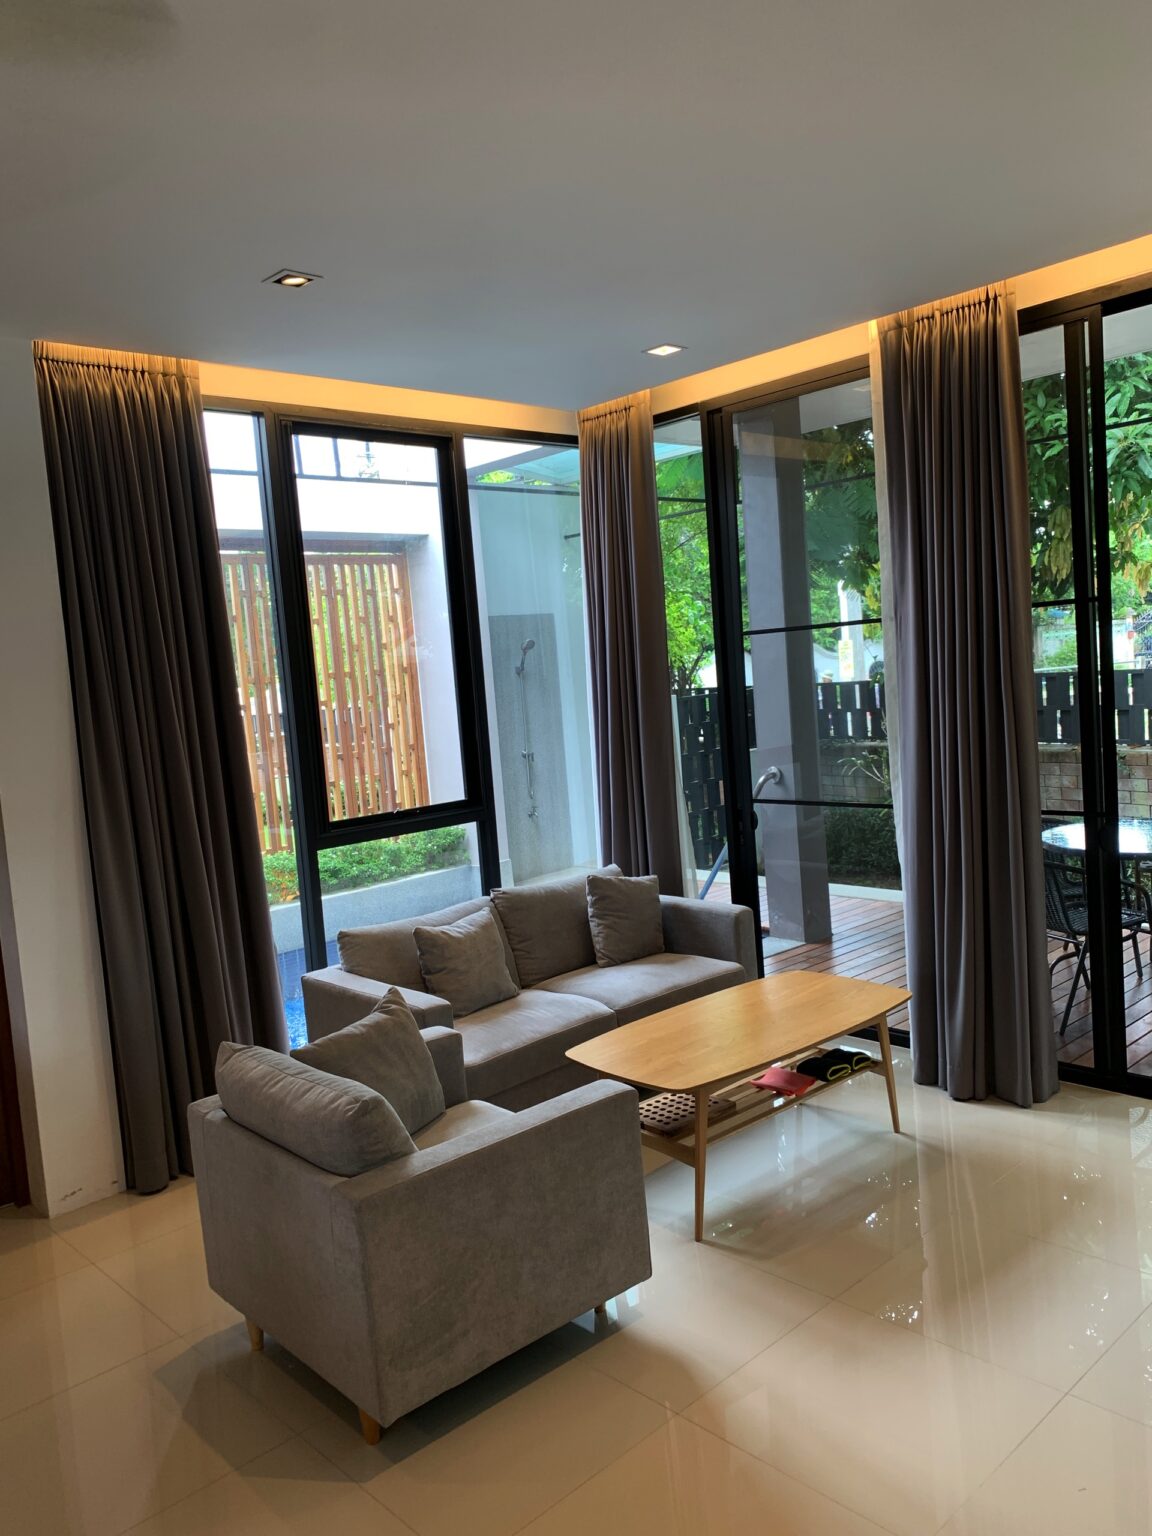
(361, 864)
(862, 846)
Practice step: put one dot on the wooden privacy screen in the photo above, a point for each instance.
(366, 681)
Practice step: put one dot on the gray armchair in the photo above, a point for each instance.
(403, 1281)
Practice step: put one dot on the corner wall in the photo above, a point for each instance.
(47, 920)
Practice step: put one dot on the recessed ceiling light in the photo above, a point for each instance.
(665, 349)
(286, 278)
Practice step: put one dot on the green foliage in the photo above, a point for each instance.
(862, 846)
(840, 517)
(361, 864)
(687, 581)
(1128, 416)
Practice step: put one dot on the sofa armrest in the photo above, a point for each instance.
(472, 1248)
(715, 929)
(446, 1047)
(335, 998)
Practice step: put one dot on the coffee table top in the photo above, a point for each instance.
(715, 1039)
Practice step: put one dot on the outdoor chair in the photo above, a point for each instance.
(1066, 904)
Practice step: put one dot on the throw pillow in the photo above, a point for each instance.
(384, 1051)
(547, 927)
(624, 915)
(340, 1126)
(465, 964)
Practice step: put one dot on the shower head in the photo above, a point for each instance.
(524, 649)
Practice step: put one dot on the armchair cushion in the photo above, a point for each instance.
(625, 918)
(472, 1115)
(384, 1051)
(464, 962)
(338, 1125)
(547, 926)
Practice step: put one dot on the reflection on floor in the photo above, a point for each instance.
(868, 941)
(983, 1281)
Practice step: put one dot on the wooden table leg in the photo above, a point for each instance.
(889, 1080)
(700, 1158)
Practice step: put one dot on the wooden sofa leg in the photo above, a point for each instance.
(369, 1428)
(255, 1335)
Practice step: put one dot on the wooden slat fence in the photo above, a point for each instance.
(366, 678)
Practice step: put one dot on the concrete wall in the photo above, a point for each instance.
(47, 920)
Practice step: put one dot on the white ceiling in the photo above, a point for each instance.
(513, 199)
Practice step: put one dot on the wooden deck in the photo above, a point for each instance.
(868, 941)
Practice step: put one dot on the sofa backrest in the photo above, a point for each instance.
(544, 927)
(387, 951)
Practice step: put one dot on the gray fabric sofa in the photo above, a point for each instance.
(402, 1281)
(514, 1050)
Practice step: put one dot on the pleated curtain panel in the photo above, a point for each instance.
(958, 637)
(184, 926)
(628, 642)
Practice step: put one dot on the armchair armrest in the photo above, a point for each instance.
(711, 928)
(446, 1047)
(473, 1247)
(335, 998)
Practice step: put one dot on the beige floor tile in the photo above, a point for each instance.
(682, 1481)
(1083, 1472)
(102, 1456)
(987, 1288)
(62, 1332)
(167, 1275)
(111, 1226)
(698, 1319)
(272, 1376)
(291, 1491)
(30, 1253)
(1122, 1380)
(895, 1426)
(458, 1466)
(1091, 1201)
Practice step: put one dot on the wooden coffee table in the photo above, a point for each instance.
(720, 1041)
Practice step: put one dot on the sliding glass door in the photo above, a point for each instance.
(1088, 414)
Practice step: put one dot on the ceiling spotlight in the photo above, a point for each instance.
(288, 279)
(665, 349)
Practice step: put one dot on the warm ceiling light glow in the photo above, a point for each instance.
(665, 349)
(288, 279)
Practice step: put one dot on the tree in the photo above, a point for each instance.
(687, 579)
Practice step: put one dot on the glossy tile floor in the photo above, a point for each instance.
(949, 1331)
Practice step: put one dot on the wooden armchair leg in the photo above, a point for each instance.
(255, 1335)
(369, 1428)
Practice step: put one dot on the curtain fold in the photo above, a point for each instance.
(628, 642)
(959, 640)
(184, 925)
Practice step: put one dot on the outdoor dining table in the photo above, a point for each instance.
(1135, 840)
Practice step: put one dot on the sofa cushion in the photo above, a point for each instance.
(472, 1115)
(624, 916)
(387, 951)
(547, 926)
(338, 1125)
(384, 1051)
(464, 962)
(641, 987)
(526, 1036)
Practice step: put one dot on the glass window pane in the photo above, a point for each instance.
(525, 502)
(1049, 494)
(315, 455)
(1057, 709)
(390, 878)
(248, 602)
(381, 632)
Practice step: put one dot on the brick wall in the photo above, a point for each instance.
(1060, 784)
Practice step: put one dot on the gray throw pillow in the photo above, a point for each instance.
(386, 1052)
(547, 926)
(465, 963)
(624, 915)
(340, 1126)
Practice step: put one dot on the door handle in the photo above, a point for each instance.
(773, 776)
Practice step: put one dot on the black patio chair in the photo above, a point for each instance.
(1066, 903)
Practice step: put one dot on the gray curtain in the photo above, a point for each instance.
(958, 596)
(184, 926)
(628, 642)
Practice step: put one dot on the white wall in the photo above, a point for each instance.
(47, 921)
